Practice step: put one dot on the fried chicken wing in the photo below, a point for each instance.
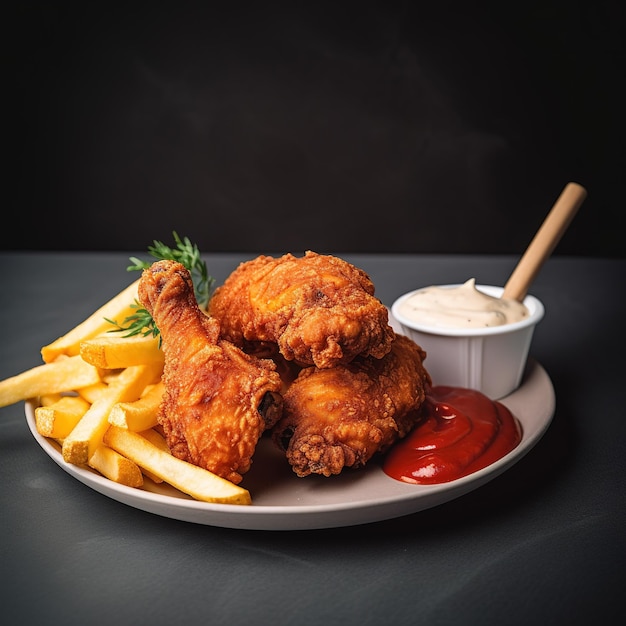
(218, 400)
(319, 309)
(340, 417)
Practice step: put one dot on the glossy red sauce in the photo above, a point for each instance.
(461, 431)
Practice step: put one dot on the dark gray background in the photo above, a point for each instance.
(339, 127)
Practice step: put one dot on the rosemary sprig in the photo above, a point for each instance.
(187, 254)
(140, 323)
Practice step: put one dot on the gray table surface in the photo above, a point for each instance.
(541, 544)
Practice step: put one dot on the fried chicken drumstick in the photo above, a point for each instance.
(340, 417)
(218, 400)
(320, 310)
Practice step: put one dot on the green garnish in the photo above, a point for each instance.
(187, 254)
(140, 323)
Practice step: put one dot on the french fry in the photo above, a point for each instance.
(111, 351)
(62, 375)
(141, 414)
(110, 376)
(148, 388)
(190, 479)
(113, 465)
(116, 467)
(118, 308)
(86, 436)
(157, 440)
(50, 398)
(57, 420)
(92, 392)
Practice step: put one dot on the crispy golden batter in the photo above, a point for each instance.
(218, 400)
(320, 310)
(342, 416)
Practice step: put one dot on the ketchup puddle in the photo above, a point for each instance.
(461, 432)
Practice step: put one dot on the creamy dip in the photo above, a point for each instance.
(461, 307)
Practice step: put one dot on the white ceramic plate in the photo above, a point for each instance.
(282, 501)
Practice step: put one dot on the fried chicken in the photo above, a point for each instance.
(319, 309)
(340, 417)
(218, 400)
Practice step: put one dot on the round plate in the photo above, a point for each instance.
(282, 501)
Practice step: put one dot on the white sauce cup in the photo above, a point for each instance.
(491, 360)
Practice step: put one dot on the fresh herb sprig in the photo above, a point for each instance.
(186, 253)
(139, 323)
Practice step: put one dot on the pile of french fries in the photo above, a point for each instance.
(99, 394)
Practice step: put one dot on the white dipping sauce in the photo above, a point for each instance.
(461, 307)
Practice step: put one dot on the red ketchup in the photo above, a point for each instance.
(461, 431)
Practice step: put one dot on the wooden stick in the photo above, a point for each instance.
(544, 241)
